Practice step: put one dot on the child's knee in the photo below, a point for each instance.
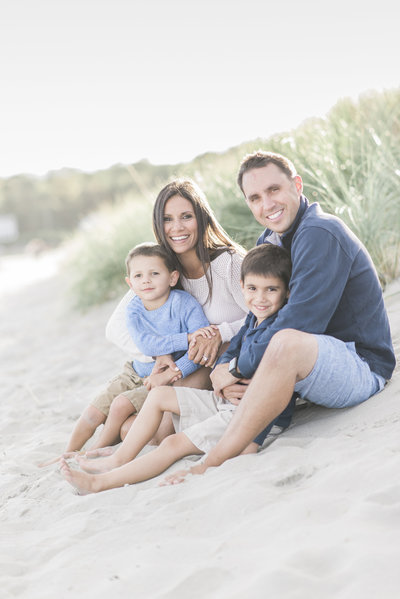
(158, 395)
(94, 416)
(121, 406)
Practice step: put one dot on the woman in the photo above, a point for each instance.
(210, 261)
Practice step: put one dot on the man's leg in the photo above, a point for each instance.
(290, 357)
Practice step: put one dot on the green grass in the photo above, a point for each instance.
(349, 161)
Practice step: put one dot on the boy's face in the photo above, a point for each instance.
(151, 280)
(264, 295)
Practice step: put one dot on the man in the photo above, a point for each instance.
(331, 343)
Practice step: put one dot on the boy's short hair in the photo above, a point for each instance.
(267, 260)
(150, 249)
(260, 159)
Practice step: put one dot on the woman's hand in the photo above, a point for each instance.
(207, 332)
(204, 350)
(164, 362)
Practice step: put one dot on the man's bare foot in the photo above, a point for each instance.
(84, 483)
(97, 466)
(100, 452)
(180, 475)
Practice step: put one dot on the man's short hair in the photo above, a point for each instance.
(150, 249)
(260, 159)
(267, 260)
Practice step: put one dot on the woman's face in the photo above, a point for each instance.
(180, 225)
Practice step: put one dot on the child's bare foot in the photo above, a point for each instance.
(100, 452)
(97, 466)
(84, 483)
(66, 455)
(180, 475)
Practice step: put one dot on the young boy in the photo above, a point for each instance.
(161, 321)
(200, 417)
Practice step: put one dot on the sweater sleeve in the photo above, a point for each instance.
(118, 334)
(235, 344)
(182, 314)
(194, 319)
(229, 329)
(320, 272)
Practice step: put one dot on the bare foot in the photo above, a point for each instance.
(180, 475)
(66, 455)
(82, 482)
(97, 466)
(100, 452)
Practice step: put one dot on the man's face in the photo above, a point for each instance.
(272, 197)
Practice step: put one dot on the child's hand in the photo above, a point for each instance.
(234, 393)
(166, 377)
(164, 362)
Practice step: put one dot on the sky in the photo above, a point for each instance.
(90, 83)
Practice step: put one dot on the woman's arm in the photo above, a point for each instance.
(228, 329)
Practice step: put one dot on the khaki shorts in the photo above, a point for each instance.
(129, 384)
(203, 416)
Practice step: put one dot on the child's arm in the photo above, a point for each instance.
(166, 377)
(186, 315)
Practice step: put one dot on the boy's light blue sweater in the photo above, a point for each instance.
(165, 330)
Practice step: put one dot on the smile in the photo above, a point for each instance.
(180, 238)
(275, 215)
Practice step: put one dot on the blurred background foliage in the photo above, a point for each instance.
(349, 161)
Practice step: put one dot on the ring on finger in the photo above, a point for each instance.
(205, 358)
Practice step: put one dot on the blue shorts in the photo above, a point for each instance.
(340, 377)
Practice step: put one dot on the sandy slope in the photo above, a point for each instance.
(316, 515)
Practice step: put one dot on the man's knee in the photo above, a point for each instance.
(289, 344)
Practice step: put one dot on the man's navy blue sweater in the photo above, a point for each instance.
(334, 290)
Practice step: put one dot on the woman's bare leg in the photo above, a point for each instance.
(143, 468)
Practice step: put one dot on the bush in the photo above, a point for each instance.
(349, 161)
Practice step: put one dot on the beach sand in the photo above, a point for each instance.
(315, 515)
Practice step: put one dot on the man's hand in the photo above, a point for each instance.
(204, 350)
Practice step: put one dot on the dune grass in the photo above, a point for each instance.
(349, 161)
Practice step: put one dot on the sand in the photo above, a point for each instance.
(316, 515)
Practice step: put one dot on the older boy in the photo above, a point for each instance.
(200, 417)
